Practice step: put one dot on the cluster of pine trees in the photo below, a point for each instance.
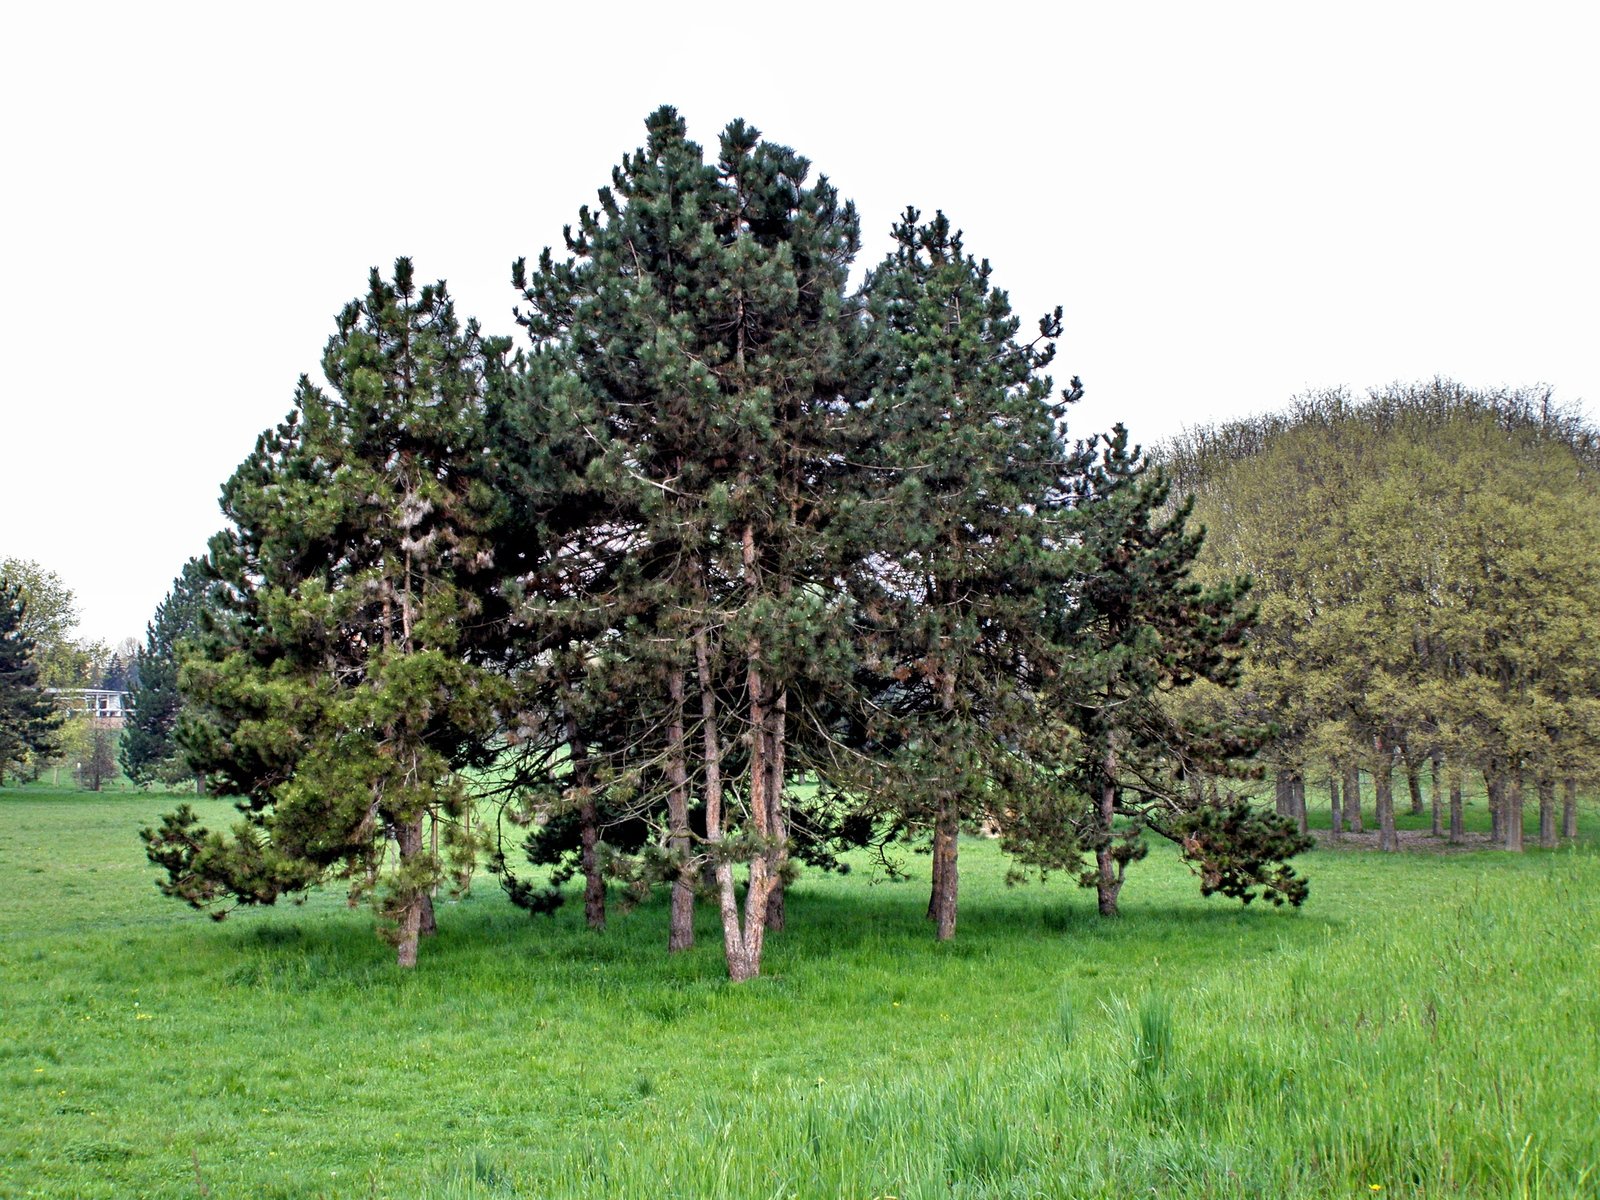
(728, 565)
(1427, 568)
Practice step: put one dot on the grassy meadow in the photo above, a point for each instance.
(1429, 1025)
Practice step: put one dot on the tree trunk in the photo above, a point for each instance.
(594, 886)
(760, 805)
(947, 847)
(1335, 815)
(741, 939)
(946, 888)
(1513, 812)
(1301, 818)
(1569, 809)
(1495, 789)
(1414, 783)
(767, 860)
(1458, 823)
(429, 925)
(464, 875)
(680, 935)
(1383, 787)
(1109, 883)
(1547, 813)
(777, 916)
(1352, 798)
(1436, 829)
(409, 911)
(1283, 795)
(777, 817)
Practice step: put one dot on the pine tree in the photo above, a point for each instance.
(959, 447)
(149, 749)
(29, 721)
(121, 673)
(351, 676)
(1142, 630)
(568, 546)
(703, 312)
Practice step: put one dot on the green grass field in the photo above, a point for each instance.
(1429, 1025)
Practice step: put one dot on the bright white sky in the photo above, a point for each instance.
(1234, 202)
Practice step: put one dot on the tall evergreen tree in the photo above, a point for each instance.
(703, 312)
(959, 448)
(29, 721)
(1141, 629)
(568, 771)
(149, 749)
(350, 677)
(121, 672)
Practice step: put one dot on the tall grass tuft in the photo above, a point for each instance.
(1153, 1037)
(982, 1150)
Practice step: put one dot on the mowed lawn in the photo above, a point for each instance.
(1428, 1025)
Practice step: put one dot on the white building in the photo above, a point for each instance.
(98, 704)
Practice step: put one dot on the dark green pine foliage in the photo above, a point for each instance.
(1143, 630)
(29, 721)
(704, 315)
(567, 774)
(149, 749)
(353, 672)
(121, 673)
(961, 446)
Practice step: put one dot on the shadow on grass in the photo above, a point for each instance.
(483, 936)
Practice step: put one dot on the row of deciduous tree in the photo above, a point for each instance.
(1427, 567)
(730, 565)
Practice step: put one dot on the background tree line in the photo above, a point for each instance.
(728, 566)
(40, 620)
(1427, 571)
(43, 725)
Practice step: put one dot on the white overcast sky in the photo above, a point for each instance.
(1234, 202)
